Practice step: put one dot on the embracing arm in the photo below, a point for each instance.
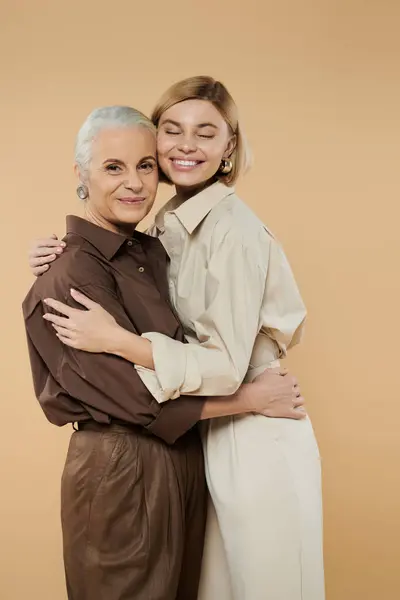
(215, 361)
(132, 347)
(274, 393)
(247, 285)
(242, 280)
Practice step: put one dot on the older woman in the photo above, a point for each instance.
(133, 504)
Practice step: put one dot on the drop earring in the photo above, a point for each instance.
(226, 166)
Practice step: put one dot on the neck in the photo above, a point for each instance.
(96, 219)
(184, 193)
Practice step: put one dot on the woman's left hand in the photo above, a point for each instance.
(88, 330)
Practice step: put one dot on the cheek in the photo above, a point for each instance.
(215, 152)
(103, 187)
(164, 145)
(151, 182)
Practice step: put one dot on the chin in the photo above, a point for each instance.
(187, 179)
(133, 217)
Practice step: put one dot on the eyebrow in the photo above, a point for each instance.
(121, 162)
(150, 157)
(200, 125)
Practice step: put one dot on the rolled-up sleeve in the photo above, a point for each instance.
(249, 286)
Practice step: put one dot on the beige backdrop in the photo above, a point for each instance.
(318, 88)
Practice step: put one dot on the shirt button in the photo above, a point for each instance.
(141, 269)
(130, 243)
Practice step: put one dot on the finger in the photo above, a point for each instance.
(60, 307)
(40, 270)
(67, 333)
(291, 413)
(292, 380)
(61, 321)
(278, 370)
(298, 414)
(84, 300)
(298, 402)
(39, 262)
(39, 252)
(50, 242)
(296, 390)
(66, 341)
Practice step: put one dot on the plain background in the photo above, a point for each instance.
(318, 87)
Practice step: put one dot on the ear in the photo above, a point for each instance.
(230, 147)
(77, 172)
(80, 175)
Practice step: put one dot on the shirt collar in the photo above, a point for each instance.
(192, 212)
(105, 241)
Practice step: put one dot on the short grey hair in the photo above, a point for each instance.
(106, 117)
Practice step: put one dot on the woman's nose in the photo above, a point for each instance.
(187, 144)
(133, 182)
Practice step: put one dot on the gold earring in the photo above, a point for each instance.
(82, 192)
(226, 166)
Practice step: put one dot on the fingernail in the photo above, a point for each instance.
(73, 291)
(46, 300)
(59, 250)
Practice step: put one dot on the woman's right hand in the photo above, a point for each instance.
(43, 252)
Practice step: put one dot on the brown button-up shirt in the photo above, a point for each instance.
(128, 277)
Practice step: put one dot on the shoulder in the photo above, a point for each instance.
(82, 264)
(79, 265)
(236, 223)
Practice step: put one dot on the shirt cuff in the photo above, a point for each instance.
(176, 418)
(150, 380)
(175, 368)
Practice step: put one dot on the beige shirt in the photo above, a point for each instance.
(233, 290)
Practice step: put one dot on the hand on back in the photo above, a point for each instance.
(43, 252)
(276, 393)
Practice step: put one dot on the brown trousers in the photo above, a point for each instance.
(133, 515)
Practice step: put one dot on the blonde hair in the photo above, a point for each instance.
(207, 88)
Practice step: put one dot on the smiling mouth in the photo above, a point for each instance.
(132, 201)
(185, 165)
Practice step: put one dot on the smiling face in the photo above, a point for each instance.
(122, 179)
(192, 139)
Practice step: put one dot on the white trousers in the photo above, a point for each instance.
(264, 530)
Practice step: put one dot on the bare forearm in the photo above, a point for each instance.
(138, 350)
(131, 347)
(225, 406)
